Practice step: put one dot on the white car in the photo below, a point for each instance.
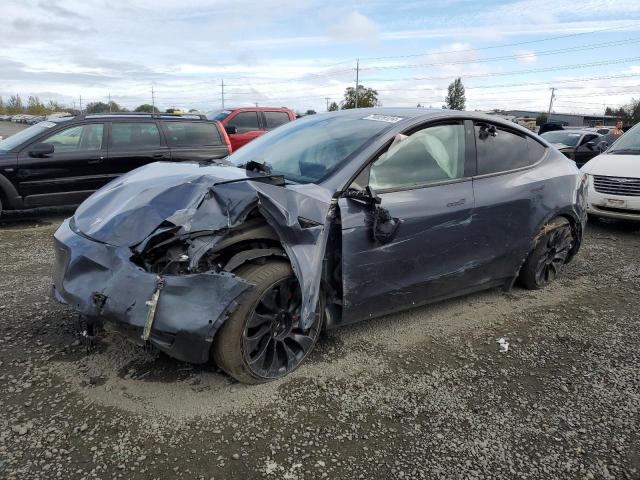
(614, 179)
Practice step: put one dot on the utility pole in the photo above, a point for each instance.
(80, 104)
(222, 88)
(109, 102)
(357, 79)
(551, 103)
(153, 100)
(327, 99)
(256, 104)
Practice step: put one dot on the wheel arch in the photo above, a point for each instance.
(8, 194)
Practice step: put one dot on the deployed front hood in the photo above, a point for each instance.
(614, 165)
(129, 209)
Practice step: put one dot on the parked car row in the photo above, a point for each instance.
(32, 119)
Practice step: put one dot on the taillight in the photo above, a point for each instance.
(225, 137)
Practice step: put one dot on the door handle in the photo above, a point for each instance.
(462, 201)
(96, 160)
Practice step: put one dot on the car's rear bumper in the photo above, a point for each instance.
(101, 283)
(613, 206)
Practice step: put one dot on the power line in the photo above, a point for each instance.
(524, 72)
(504, 45)
(509, 57)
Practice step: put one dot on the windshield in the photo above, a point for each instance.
(307, 150)
(22, 136)
(565, 138)
(218, 115)
(629, 142)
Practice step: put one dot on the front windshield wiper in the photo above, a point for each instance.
(253, 166)
(631, 151)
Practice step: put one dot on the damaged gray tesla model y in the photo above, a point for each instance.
(323, 222)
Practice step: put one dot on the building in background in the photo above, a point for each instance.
(570, 119)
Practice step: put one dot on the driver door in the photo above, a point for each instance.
(423, 181)
(68, 175)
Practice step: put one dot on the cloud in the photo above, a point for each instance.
(526, 56)
(355, 27)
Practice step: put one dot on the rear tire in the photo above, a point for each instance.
(545, 262)
(261, 340)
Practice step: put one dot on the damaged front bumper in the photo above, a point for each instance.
(181, 312)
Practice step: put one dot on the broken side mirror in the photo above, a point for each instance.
(383, 225)
(368, 195)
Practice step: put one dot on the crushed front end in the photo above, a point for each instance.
(153, 252)
(181, 312)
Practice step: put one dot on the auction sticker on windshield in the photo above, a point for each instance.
(383, 118)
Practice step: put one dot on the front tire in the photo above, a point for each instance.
(262, 341)
(545, 262)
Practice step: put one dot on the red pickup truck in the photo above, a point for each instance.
(245, 124)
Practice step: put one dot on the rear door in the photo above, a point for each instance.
(509, 191)
(134, 144)
(248, 126)
(425, 182)
(71, 173)
(194, 140)
(273, 119)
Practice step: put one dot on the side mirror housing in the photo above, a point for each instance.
(367, 195)
(590, 145)
(41, 150)
(231, 130)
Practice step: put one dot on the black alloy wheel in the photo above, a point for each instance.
(547, 259)
(554, 256)
(273, 342)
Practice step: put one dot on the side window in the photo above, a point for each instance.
(245, 122)
(500, 150)
(81, 138)
(429, 155)
(134, 135)
(275, 119)
(192, 134)
(536, 150)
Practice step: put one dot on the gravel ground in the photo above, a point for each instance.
(422, 394)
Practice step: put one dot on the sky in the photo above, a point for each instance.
(299, 53)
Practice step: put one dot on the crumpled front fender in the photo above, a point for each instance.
(100, 281)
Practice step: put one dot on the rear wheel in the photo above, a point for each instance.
(545, 262)
(262, 340)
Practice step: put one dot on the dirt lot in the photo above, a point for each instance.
(423, 394)
(9, 128)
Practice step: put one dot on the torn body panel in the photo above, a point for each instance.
(120, 248)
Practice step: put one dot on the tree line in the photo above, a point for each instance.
(34, 106)
(629, 114)
(368, 97)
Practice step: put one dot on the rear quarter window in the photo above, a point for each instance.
(192, 134)
(536, 150)
(501, 150)
(275, 119)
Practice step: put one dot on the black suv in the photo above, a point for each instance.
(63, 161)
